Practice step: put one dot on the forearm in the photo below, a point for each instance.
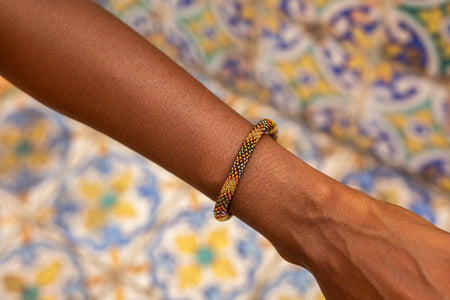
(81, 61)
(76, 58)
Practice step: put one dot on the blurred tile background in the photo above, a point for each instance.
(360, 90)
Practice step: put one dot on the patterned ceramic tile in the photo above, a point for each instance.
(358, 62)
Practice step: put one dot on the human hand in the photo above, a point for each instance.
(369, 249)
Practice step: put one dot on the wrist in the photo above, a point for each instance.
(317, 227)
(291, 203)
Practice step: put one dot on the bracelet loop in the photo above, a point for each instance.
(265, 126)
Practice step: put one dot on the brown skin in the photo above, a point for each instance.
(78, 59)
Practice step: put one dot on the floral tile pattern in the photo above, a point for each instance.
(359, 90)
(41, 271)
(191, 254)
(34, 144)
(343, 67)
(108, 200)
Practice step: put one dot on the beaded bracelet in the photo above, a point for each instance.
(265, 126)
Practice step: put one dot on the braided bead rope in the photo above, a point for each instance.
(266, 126)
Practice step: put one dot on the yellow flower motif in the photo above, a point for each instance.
(362, 39)
(424, 116)
(223, 268)
(398, 120)
(48, 274)
(190, 276)
(414, 145)
(248, 12)
(187, 244)
(357, 61)
(24, 148)
(45, 276)
(419, 130)
(306, 67)
(393, 50)
(4, 86)
(122, 5)
(13, 283)
(444, 183)
(104, 201)
(427, 134)
(445, 46)
(211, 36)
(385, 71)
(362, 141)
(337, 130)
(288, 69)
(205, 255)
(321, 2)
(320, 296)
(432, 18)
(439, 140)
(389, 194)
(308, 62)
(272, 23)
(271, 3)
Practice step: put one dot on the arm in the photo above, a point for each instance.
(78, 59)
